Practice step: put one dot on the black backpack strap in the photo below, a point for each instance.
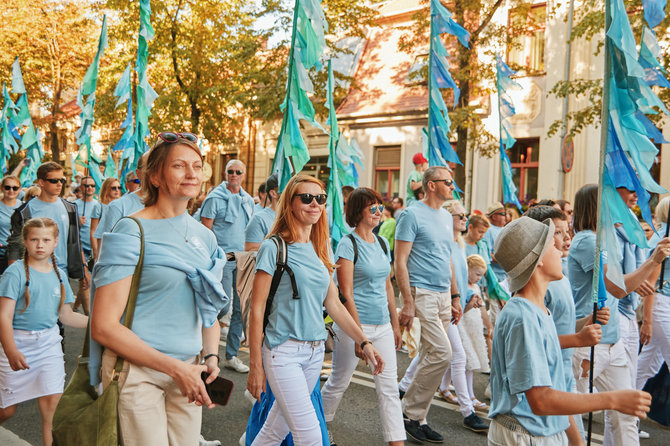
(355, 245)
(381, 242)
(281, 266)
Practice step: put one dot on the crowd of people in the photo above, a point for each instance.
(505, 295)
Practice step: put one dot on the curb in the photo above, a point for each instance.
(9, 438)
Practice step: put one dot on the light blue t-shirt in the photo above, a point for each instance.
(87, 210)
(57, 212)
(166, 316)
(490, 239)
(117, 209)
(564, 265)
(231, 214)
(665, 290)
(5, 223)
(581, 262)
(259, 225)
(525, 354)
(631, 259)
(97, 212)
(42, 312)
(370, 273)
(561, 305)
(481, 249)
(458, 257)
(299, 319)
(431, 232)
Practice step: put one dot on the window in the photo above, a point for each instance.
(317, 166)
(525, 155)
(419, 70)
(527, 34)
(387, 171)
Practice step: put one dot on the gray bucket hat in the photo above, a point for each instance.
(520, 246)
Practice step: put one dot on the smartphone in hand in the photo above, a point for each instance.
(219, 390)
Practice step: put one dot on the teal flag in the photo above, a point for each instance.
(31, 140)
(110, 165)
(307, 46)
(18, 87)
(8, 144)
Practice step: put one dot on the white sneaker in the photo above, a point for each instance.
(249, 396)
(204, 442)
(243, 439)
(234, 363)
(643, 435)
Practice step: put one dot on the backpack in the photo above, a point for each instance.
(355, 245)
(281, 266)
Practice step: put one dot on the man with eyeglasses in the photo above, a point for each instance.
(424, 271)
(497, 215)
(132, 182)
(124, 206)
(69, 255)
(226, 211)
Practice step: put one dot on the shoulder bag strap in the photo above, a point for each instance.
(381, 242)
(132, 296)
(276, 277)
(355, 245)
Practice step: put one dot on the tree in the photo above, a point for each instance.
(55, 42)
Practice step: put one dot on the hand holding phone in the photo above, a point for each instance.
(219, 390)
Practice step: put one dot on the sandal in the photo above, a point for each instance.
(448, 397)
(479, 406)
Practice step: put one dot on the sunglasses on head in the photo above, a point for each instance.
(233, 171)
(174, 137)
(56, 180)
(115, 187)
(14, 188)
(374, 209)
(307, 198)
(460, 216)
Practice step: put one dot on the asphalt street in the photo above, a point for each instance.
(356, 424)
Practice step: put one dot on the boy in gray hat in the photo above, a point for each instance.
(529, 395)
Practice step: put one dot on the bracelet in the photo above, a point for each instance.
(209, 356)
(364, 343)
(455, 295)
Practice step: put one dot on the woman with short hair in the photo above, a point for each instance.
(109, 191)
(11, 186)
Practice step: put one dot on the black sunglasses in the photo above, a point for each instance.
(88, 185)
(307, 198)
(14, 188)
(236, 172)
(460, 216)
(174, 137)
(56, 180)
(448, 183)
(115, 187)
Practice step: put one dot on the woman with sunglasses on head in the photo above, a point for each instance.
(174, 335)
(364, 280)
(109, 191)
(11, 186)
(289, 350)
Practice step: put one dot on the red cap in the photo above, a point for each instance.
(419, 158)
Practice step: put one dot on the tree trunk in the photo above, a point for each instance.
(53, 125)
(195, 116)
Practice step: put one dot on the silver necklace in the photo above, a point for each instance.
(175, 227)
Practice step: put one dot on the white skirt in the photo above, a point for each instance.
(46, 375)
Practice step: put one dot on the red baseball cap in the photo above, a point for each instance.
(418, 158)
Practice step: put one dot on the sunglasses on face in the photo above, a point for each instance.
(374, 209)
(307, 198)
(136, 181)
(14, 188)
(460, 216)
(236, 172)
(502, 214)
(447, 183)
(174, 137)
(56, 180)
(115, 187)
(88, 185)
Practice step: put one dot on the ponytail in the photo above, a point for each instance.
(27, 268)
(60, 279)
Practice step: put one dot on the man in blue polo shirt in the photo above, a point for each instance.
(227, 210)
(423, 268)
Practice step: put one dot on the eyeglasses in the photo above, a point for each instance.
(447, 183)
(14, 188)
(56, 180)
(115, 187)
(88, 185)
(460, 216)
(374, 209)
(307, 198)
(174, 137)
(502, 214)
(236, 172)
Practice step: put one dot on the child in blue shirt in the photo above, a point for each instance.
(529, 395)
(34, 293)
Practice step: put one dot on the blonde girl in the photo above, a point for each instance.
(34, 293)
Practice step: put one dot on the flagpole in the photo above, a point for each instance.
(604, 131)
(430, 80)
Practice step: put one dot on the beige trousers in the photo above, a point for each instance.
(434, 312)
(152, 410)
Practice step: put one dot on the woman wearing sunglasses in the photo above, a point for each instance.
(11, 186)
(179, 296)
(289, 350)
(365, 282)
(109, 191)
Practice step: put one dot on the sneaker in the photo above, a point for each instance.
(243, 440)
(431, 435)
(234, 363)
(474, 423)
(643, 435)
(204, 442)
(249, 396)
(414, 430)
(330, 439)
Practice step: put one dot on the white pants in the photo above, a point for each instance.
(292, 369)
(456, 372)
(344, 364)
(630, 336)
(657, 351)
(499, 435)
(610, 372)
